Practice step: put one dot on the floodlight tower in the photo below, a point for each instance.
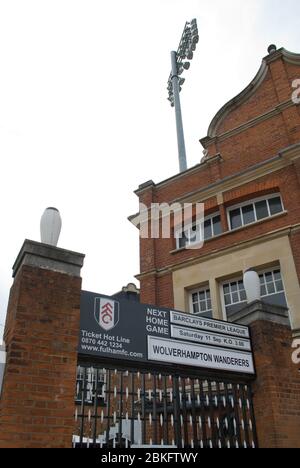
(187, 47)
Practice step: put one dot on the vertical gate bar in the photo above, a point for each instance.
(120, 410)
(252, 415)
(132, 408)
(243, 397)
(165, 422)
(184, 414)
(143, 409)
(228, 416)
(193, 400)
(155, 408)
(177, 427)
(108, 407)
(95, 407)
(211, 414)
(202, 411)
(236, 414)
(82, 405)
(220, 429)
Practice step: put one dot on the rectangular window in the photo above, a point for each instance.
(200, 302)
(193, 235)
(251, 212)
(272, 291)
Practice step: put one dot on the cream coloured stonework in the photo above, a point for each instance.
(269, 253)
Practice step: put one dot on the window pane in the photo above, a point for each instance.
(209, 305)
(248, 214)
(262, 279)
(227, 299)
(182, 242)
(233, 287)
(279, 285)
(194, 234)
(203, 306)
(235, 298)
(226, 289)
(195, 297)
(277, 275)
(217, 227)
(235, 218)
(269, 277)
(196, 308)
(208, 294)
(202, 295)
(261, 209)
(263, 291)
(270, 288)
(241, 285)
(207, 229)
(275, 205)
(243, 295)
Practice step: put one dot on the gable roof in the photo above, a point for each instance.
(287, 56)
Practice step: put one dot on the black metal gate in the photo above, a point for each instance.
(119, 407)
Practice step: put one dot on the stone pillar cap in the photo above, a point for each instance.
(259, 310)
(48, 257)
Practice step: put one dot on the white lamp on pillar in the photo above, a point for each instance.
(50, 226)
(252, 286)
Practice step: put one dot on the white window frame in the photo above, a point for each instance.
(268, 270)
(252, 202)
(230, 280)
(197, 290)
(238, 278)
(190, 226)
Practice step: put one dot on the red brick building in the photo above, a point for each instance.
(249, 183)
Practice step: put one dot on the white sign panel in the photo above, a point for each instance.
(226, 328)
(212, 339)
(195, 355)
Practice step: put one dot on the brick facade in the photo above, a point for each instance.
(41, 336)
(253, 134)
(253, 148)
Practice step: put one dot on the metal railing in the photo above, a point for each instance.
(117, 407)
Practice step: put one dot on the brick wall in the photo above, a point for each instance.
(37, 402)
(277, 387)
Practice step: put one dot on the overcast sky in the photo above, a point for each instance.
(84, 117)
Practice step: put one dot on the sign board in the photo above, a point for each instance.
(130, 331)
(211, 339)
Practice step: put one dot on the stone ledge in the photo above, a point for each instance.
(261, 311)
(48, 257)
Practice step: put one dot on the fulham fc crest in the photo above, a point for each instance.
(106, 312)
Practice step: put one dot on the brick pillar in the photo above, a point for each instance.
(277, 386)
(41, 336)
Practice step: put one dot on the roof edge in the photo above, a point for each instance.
(288, 56)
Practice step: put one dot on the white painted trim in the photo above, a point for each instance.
(197, 290)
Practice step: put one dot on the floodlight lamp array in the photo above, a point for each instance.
(184, 54)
